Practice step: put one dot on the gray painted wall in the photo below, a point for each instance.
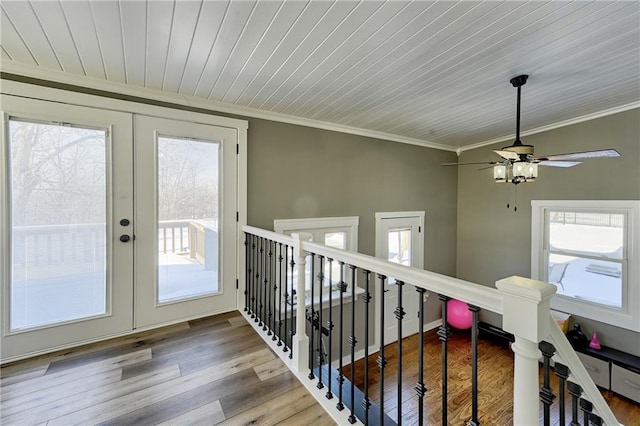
(495, 242)
(298, 172)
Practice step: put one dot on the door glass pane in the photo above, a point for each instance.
(187, 218)
(336, 239)
(58, 223)
(400, 246)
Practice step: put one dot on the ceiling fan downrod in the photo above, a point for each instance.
(518, 82)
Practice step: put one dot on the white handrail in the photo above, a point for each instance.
(523, 303)
(472, 293)
(568, 357)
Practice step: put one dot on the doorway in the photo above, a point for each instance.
(111, 222)
(399, 239)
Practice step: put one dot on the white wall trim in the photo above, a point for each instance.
(553, 126)
(629, 316)
(214, 106)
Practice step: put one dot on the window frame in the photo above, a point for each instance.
(628, 316)
(322, 226)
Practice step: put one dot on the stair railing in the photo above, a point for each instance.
(285, 309)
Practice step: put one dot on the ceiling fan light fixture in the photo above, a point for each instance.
(500, 173)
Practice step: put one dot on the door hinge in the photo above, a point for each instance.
(237, 284)
(237, 216)
(237, 148)
(419, 229)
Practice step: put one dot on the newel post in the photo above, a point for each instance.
(525, 314)
(300, 341)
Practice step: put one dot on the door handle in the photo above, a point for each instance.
(125, 238)
(124, 222)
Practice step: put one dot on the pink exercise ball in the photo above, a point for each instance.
(458, 314)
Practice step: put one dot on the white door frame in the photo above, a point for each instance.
(381, 251)
(63, 97)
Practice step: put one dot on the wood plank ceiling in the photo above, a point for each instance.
(432, 72)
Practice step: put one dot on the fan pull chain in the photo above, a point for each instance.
(515, 199)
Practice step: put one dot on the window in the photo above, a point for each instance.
(588, 250)
(338, 232)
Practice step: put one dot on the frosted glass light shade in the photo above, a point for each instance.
(500, 173)
(531, 171)
(519, 169)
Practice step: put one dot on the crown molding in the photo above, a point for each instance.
(56, 76)
(553, 126)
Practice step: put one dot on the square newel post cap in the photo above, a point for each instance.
(298, 239)
(526, 307)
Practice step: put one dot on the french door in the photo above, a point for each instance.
(111, 221)
(186, 220)
(399, 239)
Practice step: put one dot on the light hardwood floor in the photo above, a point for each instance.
(495, 383)
(210, 371)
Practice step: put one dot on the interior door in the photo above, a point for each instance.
(66, 196)
(399, 239)
(186, 204)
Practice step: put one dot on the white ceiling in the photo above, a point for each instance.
(427, 72)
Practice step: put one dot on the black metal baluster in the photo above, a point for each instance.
(562, 371)
(247, 274)
(312, 317)
(366, 298)
(329, 394)
(254, 303)
(263, 286)
(274, 296)
(575, 391)
(595, 420)
(274, 286)
(444, 332)
(280, 258)
(474, 366)
(400, 313)
(546, 393)
(267, 288)
(352, 343)
(293, 322)
(587, 408)
(420, 388)
(258, 280)
(340, 405)
(381, 360)
(320, 385)
(287, 295)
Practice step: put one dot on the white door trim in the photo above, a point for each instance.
(380, 251)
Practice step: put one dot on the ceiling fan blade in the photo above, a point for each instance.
(509, 155)
(470, 163)
(581, 155)
(550, 163)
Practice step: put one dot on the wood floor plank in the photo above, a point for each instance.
(210, 414)
(22, 376)
(91, 396)
(133, 401)
(33, 400)
(237, 320)
(274, 411)
(269, 369)
(174, 375)
(312, 415)
(161, 411)
(95, 370)
(234, 403)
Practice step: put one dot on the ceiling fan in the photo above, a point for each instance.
(518, 164)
